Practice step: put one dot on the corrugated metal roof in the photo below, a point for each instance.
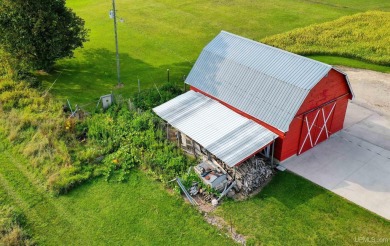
(226, 134)
(267, 83)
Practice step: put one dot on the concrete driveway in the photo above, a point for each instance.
(354, 163)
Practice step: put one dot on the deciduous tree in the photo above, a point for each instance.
(36, 33)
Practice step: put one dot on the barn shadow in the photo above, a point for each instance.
(290, 190)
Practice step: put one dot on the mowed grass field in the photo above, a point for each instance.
(294, 211)
(157, 35)
(138, 212)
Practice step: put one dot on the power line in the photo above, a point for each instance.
(47, 91)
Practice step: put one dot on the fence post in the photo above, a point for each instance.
(184, 81)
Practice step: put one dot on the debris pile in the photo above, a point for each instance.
(207, 197)
(194, 190)
(252, 174)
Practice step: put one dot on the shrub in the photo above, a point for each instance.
(67, 178)
(11, 227)
(152, 97)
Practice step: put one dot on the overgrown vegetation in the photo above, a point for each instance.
(152, 97)
(364, 36)
(34, 123)
(128, 139)
(65, 152)
(11, 227)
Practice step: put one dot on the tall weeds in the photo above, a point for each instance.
(65, 152)
(364, 36)
(11, 227)
(34, 124)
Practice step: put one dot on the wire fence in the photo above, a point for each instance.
(151, 78)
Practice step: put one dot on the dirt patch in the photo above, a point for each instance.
(372, 89)
(221, 224)
(206, 209)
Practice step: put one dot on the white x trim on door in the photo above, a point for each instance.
(324, 126)
(308, 135)
(325, 122)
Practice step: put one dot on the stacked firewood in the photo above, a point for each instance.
(252, 174)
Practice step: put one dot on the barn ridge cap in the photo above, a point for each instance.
(276, 48)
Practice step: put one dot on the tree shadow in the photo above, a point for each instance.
(85, 79)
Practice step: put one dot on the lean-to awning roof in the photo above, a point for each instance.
(226, 134)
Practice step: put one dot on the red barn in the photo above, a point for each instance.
(296, 102)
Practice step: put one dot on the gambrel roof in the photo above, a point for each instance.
(267, 83)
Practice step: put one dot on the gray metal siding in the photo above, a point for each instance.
(226, 134)
(265, 82)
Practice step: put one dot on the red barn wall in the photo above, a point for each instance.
(333, 87)
(330, 87)
(288, 146)
(339, 114)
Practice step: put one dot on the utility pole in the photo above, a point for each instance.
(116, 44)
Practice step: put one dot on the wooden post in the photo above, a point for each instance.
(193, 147)
(268, 150)
(178, 136)
(272, 156)
(167, 126)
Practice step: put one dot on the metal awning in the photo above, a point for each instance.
(226, 134)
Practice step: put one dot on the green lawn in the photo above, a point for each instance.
(139, 212)
(334, 60)
(157, 35)
(294, 211)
